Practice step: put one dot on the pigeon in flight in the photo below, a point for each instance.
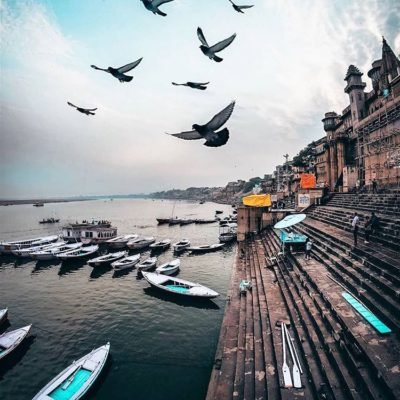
(239, 8)
(208, 131)
(210, 51)
(193, 85)
(152, 5)
(119, 73)
(87, 111)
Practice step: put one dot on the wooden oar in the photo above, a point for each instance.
(295, 353)
(287, 379)
(296, 372)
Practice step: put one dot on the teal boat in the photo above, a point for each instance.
(75, 381)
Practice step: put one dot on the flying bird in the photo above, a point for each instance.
(152, 5)
(208, 131)
(119, 73)
(239, 8)
(210, 51)
(193, 85)
(87, 111)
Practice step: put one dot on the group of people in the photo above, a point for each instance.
(371, 226)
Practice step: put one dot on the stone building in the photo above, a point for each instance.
(363, 142)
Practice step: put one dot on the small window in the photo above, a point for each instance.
(359, 96)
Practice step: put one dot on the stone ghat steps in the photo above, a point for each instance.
(365, 361)
(342, 222)
(379, 292)
(387, 221)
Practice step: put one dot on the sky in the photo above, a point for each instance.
(285, 69)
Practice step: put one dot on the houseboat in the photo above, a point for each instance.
(74, 232)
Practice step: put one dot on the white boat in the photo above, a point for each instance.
(181, 245)
(140, 243)
(73, 232)
(75, 381)
(3, 315)
(11, 340)
(227, 233)
(29, 250)
(51, 254)
(126, 262)
(179, 286)
(161, 245)
(107, 258)
(206, 248)
(8, 247)
(82, 252)
(120, 242)
(169, 268)
(147, 264)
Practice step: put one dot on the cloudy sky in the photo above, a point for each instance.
(285, 69)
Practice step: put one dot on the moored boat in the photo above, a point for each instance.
(51, 253)
(148, 264)
(161, 245)
(228, 233)
(174, 221)
(107, 258)
(162, 220)
(205, 221)
(98, 234)
(169, 267)
(80, 253)
(206, 248)
(120, 242)
(3, 315)
(179, 286)
(126, 262)
(181, 245)
(140, 243)
(184, 221)
(218, 212)
(49, 221)
(28, 251)
(8, 247)
(75, 381)
(9, 341)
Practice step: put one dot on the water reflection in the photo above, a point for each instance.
(205, 304)
(97, 272)
(70, 267)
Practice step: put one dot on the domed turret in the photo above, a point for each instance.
(329, 121)
(355, 89)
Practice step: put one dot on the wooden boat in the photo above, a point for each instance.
(75, 381)
(49, 221)
(174, 221)
(206, 248)
(179, 286)
(38, 205)
(120, 242)
(218, 212)
(162, 220)
(107, 258)
(205, 221)
(78, 253)
(28, 251)
(9, 341)
(126, 262)
(8, 247)
(227, 233)
(3, 315)
(181, 245)
(161, 245)
(51, 253)
(186, 221)
(148, 264)
(169, 268)
(140, 243)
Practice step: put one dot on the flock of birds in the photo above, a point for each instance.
(208, 131)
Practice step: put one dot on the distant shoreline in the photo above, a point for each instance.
(44, 201)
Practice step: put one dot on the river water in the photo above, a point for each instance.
(161, 347)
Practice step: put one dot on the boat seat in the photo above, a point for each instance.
(89, 365)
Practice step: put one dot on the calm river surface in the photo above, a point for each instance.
(161, 347)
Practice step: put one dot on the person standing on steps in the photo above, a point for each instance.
(374, 186)
(354, 224)
(308, 248)
(368, 229)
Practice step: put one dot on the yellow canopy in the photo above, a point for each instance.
(257, 200)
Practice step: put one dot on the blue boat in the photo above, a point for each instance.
(75, 381)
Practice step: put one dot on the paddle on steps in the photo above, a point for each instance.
(287, 379)
(295, 371)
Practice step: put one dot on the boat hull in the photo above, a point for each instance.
(11, 340)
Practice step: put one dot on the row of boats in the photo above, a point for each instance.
(74, 381)
(185, 221)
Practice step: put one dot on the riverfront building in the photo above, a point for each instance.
(363, 142)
